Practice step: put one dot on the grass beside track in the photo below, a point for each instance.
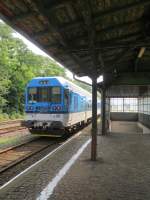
(16, 138)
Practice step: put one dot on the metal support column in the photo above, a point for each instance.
(94, 120)
(103, 110)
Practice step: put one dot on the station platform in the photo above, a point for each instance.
(121, 172)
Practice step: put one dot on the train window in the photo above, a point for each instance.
(43, 94)
(32, 95)
(56, 95)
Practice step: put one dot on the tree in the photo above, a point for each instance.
(17, 66)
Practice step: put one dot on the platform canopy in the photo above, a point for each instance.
(89, 37)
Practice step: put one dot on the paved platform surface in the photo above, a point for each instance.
(125, 127)
(122, 172)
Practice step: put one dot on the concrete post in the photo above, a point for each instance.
(94, 120)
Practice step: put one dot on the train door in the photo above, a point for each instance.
(67, 99)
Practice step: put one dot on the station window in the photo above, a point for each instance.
(116, 104)
(144, 105)
(124, 104)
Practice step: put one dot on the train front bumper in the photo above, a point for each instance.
(43, 125)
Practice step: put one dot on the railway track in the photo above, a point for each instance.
(11, 126)
(17, 159)
(17, 154)
(10, 122)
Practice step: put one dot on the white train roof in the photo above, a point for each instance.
(70, 85)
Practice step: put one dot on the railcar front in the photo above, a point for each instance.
(46, 106)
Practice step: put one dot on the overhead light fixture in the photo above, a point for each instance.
(100, 79)
(141, 52)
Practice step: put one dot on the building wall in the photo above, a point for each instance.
(123, 116)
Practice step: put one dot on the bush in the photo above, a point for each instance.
(15, 115)
(12, 116)
(4, 116)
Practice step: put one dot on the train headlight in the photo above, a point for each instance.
(30, 107)
(56, 108)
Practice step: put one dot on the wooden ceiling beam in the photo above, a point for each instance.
(86, 10)
(53, 4)
(102, 31)
(63, 41)
(102, 46)
(118, 58)
(114, 27)
(98, 16)
(107, 44)
(22, 16)
(111, 28)
(107, 29)
(124, 8)
(134, 35)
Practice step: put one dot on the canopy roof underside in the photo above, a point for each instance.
(89, 37)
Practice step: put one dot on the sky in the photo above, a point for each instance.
(38, 51)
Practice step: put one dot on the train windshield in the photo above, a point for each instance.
(55, 94)
(32, 95)
(44, 94)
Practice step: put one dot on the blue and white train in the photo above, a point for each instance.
(54, 105)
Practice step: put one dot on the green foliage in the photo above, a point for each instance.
(18, 65)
